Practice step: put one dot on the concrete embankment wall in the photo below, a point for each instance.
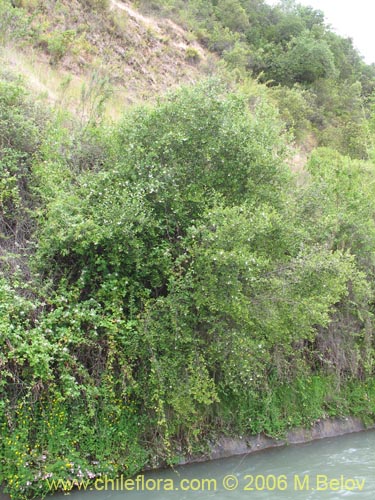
(228, 446)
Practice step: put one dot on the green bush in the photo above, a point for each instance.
(238, 57)
(22, 125)
(14, 23)
(232, 15)
(306, 60)
(179, 284)
(192, 55)
(58, 43)
(296, 108)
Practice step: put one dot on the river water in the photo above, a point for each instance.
(334, 468)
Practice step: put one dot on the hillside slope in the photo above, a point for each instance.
(69, 45)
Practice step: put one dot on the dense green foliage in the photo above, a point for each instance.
(166, 279)
(288, 46)
(287, 43)
(178, 285)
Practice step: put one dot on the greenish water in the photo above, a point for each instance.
(336, 468)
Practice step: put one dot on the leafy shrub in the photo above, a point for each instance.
(58, 43)
(14, 23)
(204, 141)
(296, 108)
(21, 132)
(220, 39)
(192, 55)
(232, 15)
(306, 60)
(238, 57)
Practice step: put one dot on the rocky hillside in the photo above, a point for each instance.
(61, 46)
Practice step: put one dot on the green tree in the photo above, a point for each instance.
(307, 59)
(232, 15)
